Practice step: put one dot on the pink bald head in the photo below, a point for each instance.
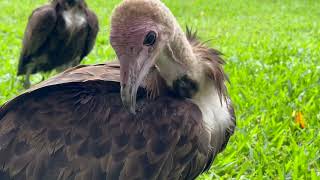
(139, 31)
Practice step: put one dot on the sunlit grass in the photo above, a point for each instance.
(272, 50)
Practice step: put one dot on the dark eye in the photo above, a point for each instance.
(150, 39)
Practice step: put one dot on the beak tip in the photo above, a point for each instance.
(128, 98)
(133, 111)
(128, 105)
(130, 109)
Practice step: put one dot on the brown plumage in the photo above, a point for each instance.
(58, 35)
(73, 126)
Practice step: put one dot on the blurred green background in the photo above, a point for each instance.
(272, 49)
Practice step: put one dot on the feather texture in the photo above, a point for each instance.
(73, 126)
(213, 58)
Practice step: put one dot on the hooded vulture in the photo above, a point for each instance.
(58, 35)
(176, 116)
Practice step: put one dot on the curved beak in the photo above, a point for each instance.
(132, 73)
(129, 87)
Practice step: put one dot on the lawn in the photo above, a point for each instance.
(272, 49)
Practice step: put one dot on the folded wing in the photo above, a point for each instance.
(73, 126)
(41, 23)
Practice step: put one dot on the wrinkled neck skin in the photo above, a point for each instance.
(177, 60)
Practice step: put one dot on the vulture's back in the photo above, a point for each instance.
(73, 126)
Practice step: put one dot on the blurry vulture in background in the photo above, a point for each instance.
(58, 35)
(177, 115)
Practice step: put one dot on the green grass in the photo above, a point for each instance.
(272, 50)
